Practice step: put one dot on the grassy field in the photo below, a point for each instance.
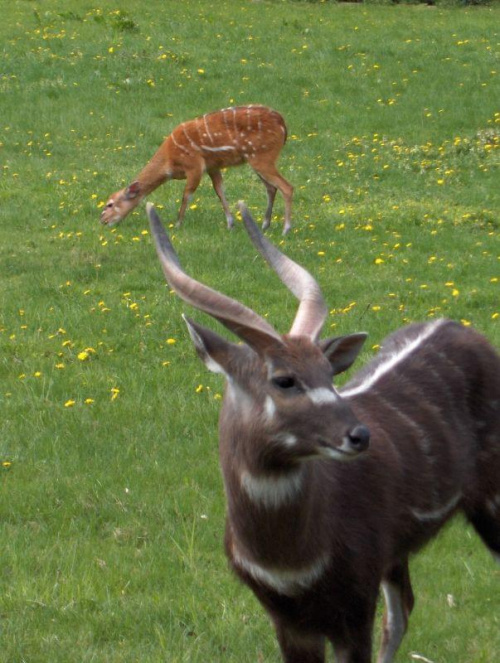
(111, 501)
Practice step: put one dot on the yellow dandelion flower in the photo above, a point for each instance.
(83, 356)
(171, 341)
(69, 403)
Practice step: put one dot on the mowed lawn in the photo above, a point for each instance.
(111, 502)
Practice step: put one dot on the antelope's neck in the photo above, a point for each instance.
(154, 173)
(275, 518)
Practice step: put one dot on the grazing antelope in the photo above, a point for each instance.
(229, 137)
(329, 491)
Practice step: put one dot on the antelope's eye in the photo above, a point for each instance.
(284, 382)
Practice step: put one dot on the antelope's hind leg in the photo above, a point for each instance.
(271, 195)
(399, 601)
(270, 174)
(483, 511)
(217, 182)
(486, 522)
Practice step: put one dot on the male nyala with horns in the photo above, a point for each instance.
(329, 491)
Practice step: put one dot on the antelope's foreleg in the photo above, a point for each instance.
(299, 648)
(193, 179)
(217, 182)
(399, 601)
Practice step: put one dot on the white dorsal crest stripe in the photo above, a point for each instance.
(392, 361)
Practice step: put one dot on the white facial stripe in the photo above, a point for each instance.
(272, 491)
(269, 408)
(392, 361)
(437, 514)
(285, 581)
(287, 439)
(322, 396)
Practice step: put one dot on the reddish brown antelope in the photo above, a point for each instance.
(329, 492)
(229, 137)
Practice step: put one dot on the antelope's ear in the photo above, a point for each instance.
(133, 190)
(217, 353)
(342, 350)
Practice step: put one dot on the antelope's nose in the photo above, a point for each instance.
(359, 438)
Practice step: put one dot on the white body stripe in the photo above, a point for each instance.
(207, 128)
(191, 141)
(222, 148)
(181, 147)
(285, 581)
(437, 514)
(272, 491)
(392, 361)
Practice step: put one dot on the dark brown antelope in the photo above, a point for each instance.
(329, 492)
(225, 138)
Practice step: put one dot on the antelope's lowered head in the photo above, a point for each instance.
(279, 388)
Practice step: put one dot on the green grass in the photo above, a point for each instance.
(111, 501)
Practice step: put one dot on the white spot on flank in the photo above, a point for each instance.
(284, 581)
(322, 396)
(437, 514)
(394, 359)
(272, 491)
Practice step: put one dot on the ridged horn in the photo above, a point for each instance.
(312, 311)
(241, 320)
